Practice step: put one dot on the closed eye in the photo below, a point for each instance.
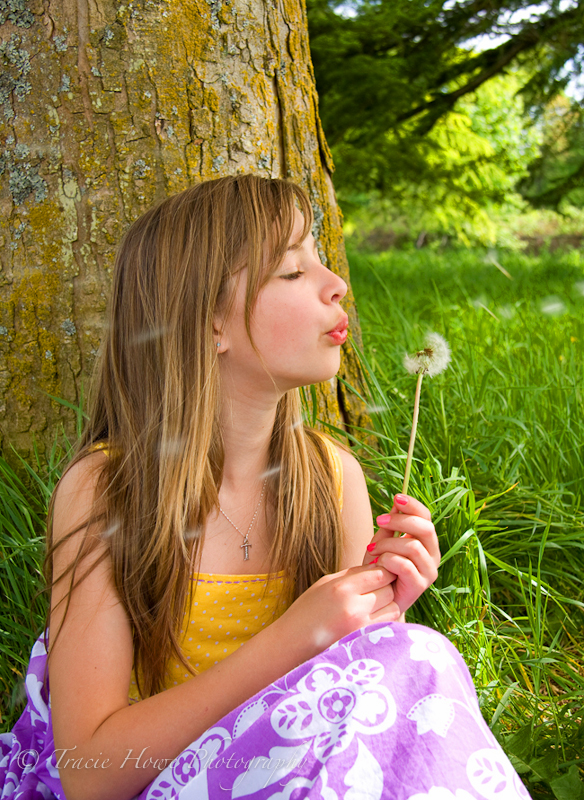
(291, 276)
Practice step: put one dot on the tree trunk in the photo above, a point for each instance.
(106, 108)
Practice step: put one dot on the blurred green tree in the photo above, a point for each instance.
(449, 180)
(391, 72)
(556, 177)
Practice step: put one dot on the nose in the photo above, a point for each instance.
(338, 287)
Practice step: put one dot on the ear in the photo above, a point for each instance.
(220, 336)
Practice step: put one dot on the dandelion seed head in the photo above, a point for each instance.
(432, 360)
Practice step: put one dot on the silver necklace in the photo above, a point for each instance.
(246, 545)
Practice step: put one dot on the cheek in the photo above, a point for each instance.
(282, 323)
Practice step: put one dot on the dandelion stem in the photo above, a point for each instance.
(413, 433)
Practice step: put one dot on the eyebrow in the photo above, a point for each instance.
(298, 245)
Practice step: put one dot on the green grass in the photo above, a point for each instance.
(25, 492)
(500, 456)
(499, 459)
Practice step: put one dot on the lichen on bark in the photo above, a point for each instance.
(107, 107)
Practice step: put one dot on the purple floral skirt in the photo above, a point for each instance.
(389, 711)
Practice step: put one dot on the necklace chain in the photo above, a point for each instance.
(246, 545)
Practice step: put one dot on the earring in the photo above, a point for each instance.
(218, 344)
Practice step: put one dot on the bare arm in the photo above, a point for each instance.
(357, 514)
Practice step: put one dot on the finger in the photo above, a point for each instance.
(371, 559)
(410, 583)
(380, 598)
(426, 565)
(364, 579)
(391, 613)
(421, 529)
(409, 505)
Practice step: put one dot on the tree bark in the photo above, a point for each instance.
(105, 108)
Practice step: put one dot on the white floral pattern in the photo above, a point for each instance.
(430, 646)
(333, 704)
(434, 712)
(490, 774)
(337, 727)
(365, 778)
(379, 633)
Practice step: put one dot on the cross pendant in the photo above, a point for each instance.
(247, 545)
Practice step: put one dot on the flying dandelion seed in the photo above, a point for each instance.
(321, 637)
(269, 472)
(297, 424)
(172, 448)
(110, 530)
(552, 306)
(431, 361)
(195, 533)
(507, 312)
(401, 395)
(480, 301)
(379, 409)
(19, 695)
(149, 334)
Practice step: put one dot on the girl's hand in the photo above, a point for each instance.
(413, 558)
(339, 604)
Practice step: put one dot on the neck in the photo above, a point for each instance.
(247, 423)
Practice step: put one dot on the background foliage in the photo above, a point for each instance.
(441, 109)
(501, 463)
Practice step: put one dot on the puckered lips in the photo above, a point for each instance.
(340, 332)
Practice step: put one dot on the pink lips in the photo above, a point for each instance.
(339, 333)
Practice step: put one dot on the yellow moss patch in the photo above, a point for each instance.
(31, 305)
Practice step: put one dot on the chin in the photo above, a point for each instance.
(323, 377)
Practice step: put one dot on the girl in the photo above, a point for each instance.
(223, 620)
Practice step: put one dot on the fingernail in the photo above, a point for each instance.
(383, 519)
(401, 500)
(375, 560)
(371, 546)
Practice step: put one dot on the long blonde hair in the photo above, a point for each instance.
(157, 400)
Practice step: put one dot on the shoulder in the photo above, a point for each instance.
(83, 473)
(75, 494)
(352, 470)
(347, 464)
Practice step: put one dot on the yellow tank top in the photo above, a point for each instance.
(227, 610)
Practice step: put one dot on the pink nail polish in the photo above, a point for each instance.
(371, 546)
(401, 500)
(383, 519)
(374, 561)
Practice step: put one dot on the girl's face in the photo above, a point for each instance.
(290, 323)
